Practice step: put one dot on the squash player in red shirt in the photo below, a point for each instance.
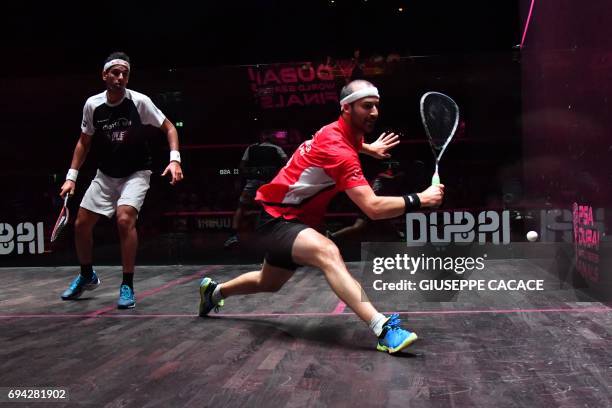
(295, 201)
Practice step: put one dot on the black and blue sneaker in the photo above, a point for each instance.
(393, 338)
(207, 287)
(127, 300)
(80, 284)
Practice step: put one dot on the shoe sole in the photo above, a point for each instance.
(122, 307)
(411, 339)
(203, 287)
(89, 286)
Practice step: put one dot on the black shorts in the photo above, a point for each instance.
(276, 237)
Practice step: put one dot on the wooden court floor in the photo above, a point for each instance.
(299, 347)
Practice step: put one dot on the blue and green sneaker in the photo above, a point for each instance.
(393, 338)
(207, 287)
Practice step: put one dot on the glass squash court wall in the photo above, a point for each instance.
(220, 111)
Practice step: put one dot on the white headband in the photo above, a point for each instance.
(362, 93)
(116, 62)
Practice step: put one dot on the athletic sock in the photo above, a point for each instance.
(87, 271)
(128, 279)
(216, 295)
(377, 323)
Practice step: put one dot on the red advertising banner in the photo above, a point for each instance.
(586, 242)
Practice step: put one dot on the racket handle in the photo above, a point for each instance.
(435, 180)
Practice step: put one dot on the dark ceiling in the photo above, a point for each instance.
(51, 38)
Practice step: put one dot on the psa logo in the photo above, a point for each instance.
(458, 227)
(26, 235)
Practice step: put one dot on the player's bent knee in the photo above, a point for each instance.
(82, 224)
(79, 226)
(328, 253)
(125, 222)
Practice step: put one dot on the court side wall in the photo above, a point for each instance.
(567, 127)
(566, 96)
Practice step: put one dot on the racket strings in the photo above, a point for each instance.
(440, 117)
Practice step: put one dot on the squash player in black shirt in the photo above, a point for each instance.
(114, 124)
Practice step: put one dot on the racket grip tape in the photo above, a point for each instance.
(435, 180)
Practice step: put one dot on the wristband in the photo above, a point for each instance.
(175, 156)
(412, 202)
(72, 175)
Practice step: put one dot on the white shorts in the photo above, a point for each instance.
(106, 193)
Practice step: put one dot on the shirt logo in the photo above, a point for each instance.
(305, 147)
(119, 123)
(118, 136)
